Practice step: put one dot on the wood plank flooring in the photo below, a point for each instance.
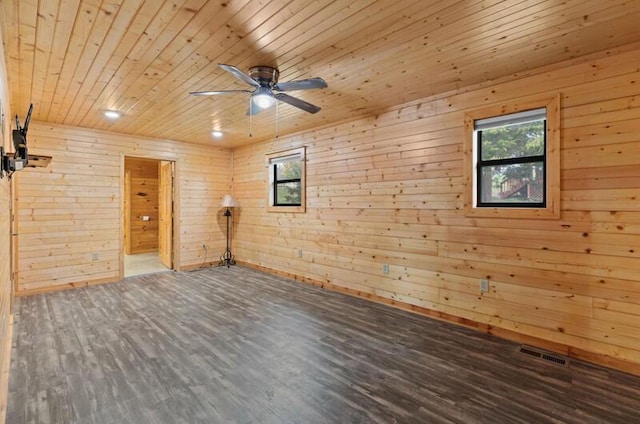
(233, 345)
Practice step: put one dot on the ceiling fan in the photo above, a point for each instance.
(264, 80)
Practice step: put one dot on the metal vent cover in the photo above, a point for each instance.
(544, 355)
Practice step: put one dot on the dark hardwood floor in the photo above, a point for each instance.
(239, 346)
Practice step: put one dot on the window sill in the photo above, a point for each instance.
(290, 209)
(551, 212)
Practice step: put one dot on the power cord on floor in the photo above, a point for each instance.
(206, 251)
(204, 261)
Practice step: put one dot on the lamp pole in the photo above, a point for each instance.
(227, 259)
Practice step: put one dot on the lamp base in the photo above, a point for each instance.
(227, 259)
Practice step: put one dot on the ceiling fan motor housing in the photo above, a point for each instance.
(265, 75)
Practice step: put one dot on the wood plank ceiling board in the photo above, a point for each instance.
(74, 59)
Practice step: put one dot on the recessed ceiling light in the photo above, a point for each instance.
(217, 134)
(112, 114)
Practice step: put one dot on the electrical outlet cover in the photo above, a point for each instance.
(484, 286)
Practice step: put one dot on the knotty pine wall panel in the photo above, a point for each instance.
(389, 190)
(6, 199)
(143, 198)
(72, 208)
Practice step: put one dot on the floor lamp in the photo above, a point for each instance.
(227, 258)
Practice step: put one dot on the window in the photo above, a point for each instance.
(286, 181)
(512, 161)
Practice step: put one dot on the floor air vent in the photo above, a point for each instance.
(544, 355)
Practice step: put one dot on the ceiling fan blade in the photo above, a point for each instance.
(300, 104)
(214, 93)
(305, 84)
(239, 74)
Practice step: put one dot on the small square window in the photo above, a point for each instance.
(286, 171)
(512, 160)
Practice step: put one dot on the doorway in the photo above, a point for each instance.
(148, 216)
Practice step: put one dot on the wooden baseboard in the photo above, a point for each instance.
(87, 283)
(4, 371)
(570, 351)
(66, 286)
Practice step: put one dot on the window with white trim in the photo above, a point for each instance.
(286, 180)
(512, 160)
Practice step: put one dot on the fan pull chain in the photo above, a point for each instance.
(250, 118)
(277, 109)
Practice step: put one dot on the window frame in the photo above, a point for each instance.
(549, 208)
(481, 164)
(271, 160)
(277, 182)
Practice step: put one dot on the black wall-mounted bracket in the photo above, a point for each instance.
(9, 164)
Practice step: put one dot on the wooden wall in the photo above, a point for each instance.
(6, 289)
(73, 208)
(389, 190)
(143, 201)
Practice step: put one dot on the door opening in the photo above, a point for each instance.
(148, 216)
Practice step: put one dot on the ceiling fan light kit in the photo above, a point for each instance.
(263, 98)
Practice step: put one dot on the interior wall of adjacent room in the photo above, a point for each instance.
(390, 190)
(143, 202)
(72, 209)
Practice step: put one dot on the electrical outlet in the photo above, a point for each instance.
(299, 253)
(484, 286)
(95, 256)
(385, 268)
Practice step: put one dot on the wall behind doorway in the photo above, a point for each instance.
(141, 192)
(73, 208)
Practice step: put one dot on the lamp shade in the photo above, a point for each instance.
(228, 201)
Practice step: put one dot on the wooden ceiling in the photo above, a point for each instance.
(74, 59)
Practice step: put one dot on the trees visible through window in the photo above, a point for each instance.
(287, 181)
(511, 159)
